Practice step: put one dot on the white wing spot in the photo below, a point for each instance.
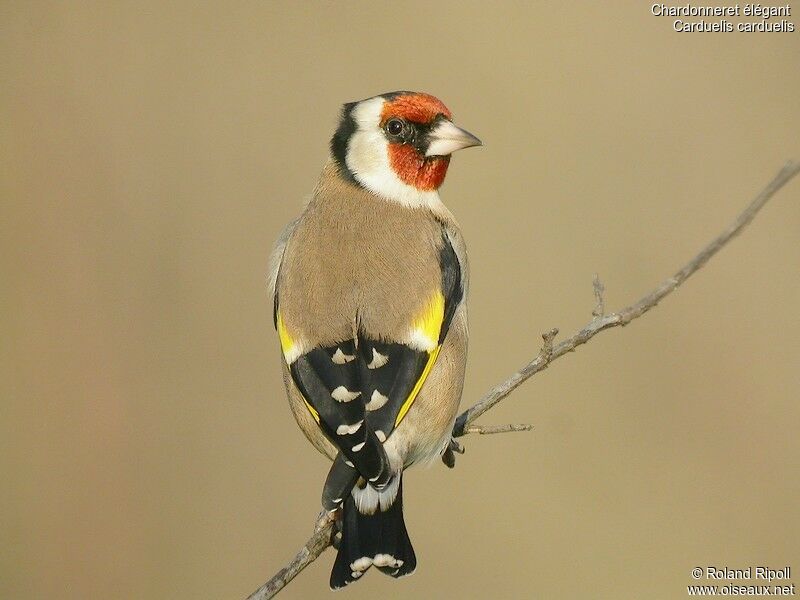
(378, 360)
(349, 429)
(349, 464)
(358, 447)
(342, 394)
(380, 435)
(341, 358)
(376, 401)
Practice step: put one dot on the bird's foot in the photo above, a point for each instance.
(334, 518)
(449, 454)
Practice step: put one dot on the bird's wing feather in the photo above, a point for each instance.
(392, 374)
(359, 390)
(328, 379)
(275, 261)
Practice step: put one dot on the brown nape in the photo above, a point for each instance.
(425, 174)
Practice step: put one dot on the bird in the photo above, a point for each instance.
(369, 288)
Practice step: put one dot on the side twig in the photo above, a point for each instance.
(320, 540)
(487, 429)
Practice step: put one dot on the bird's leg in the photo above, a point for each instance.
(448, 456)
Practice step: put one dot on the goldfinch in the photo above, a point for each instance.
(369, 288)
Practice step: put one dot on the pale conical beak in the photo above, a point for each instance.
(445, 138)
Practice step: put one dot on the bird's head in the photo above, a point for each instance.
(398, 145)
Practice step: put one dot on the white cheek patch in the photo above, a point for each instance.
(368, 159)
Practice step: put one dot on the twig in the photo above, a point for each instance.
(627, 314)
(315, 546)
(488, 429)
(599, 288)
(322, 534)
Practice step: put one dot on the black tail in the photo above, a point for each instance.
(380, 539)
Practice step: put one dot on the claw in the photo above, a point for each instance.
(336, 531)
(336, 537)
(449, 456)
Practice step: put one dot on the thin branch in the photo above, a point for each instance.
(315, 546)
(548, 353)
(627, 314)
(489, 429)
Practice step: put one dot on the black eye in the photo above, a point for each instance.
(394, 127)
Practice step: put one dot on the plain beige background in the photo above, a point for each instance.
(151, 153)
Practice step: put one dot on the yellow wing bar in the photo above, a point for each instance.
(418, 386)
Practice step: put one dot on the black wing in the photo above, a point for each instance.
(328, 379)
